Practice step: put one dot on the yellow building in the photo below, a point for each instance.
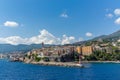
(79, 49)
(87, 50)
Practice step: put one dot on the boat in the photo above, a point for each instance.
(80, 65)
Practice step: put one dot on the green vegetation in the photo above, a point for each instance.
(98, 56)
(28, 57)
(37, 59)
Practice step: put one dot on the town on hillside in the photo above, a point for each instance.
(89, 51)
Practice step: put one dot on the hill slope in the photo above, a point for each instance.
(111, 37)
(4, 48)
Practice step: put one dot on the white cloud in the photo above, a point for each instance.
(15, 40)
(44, 36)
(117, 21)
(88, 34)
(68, 40)
(117, 11)
(109, 15)
(11, 24)
(64, 15)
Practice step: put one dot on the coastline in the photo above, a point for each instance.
(64, 64)
(101, 61)
(69, 64)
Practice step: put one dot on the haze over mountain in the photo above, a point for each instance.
(111, 37)
(8, 48)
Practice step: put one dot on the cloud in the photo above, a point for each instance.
(44, 36)
(11, 24)
(109, 15)
(15, 40)
(88, 34)
(117, 11)
(64, 15)
(68, 40)
(117, 21)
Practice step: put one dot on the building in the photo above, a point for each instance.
(79, 49)
(87, 50)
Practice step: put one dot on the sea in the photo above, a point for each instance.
(91, 71)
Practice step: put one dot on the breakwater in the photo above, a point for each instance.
(64, 64)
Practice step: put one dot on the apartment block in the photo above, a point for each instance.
(85, 50)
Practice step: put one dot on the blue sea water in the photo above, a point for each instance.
(21, 71)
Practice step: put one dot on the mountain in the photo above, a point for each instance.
(100, 37)
(5, 48)
(79, 43)
(114, 36)
(111, 38)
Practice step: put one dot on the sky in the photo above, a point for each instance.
(57, 21)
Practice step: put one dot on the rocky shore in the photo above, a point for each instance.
(68, 64)
(64, 64)
(101, 61)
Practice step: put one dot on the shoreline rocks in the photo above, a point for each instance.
(64, 64)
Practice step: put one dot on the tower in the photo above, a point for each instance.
(42, 44)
